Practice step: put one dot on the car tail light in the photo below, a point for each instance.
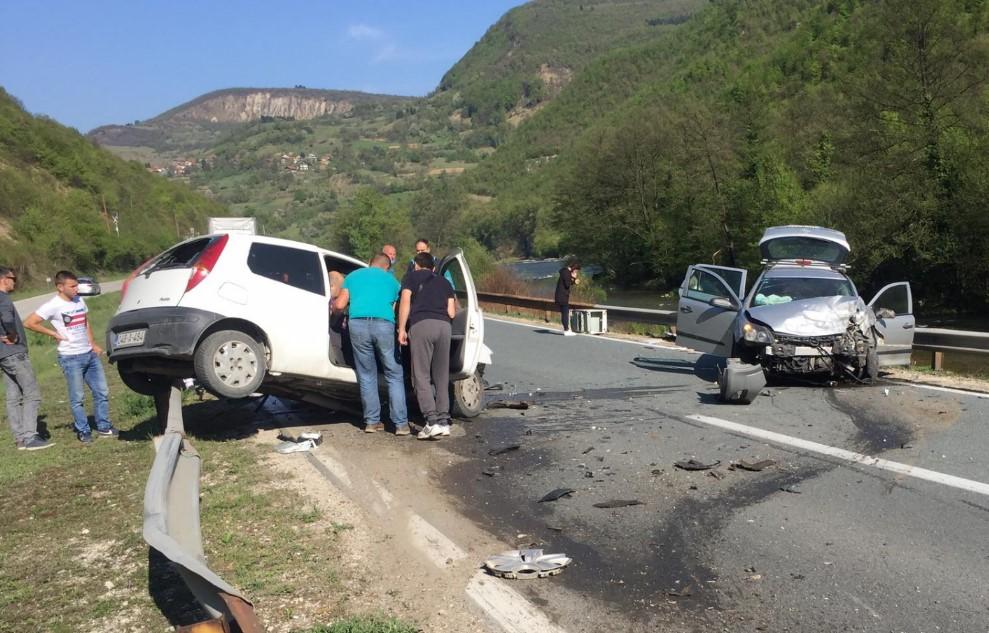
(206, 261)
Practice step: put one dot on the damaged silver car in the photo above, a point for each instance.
(803, 314)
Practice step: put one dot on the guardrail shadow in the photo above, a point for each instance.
(170, 593)
(706, 366)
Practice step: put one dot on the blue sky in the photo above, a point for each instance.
(87, 63)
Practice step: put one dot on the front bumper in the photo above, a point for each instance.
(171, 332)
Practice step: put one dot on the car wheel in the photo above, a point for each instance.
(144, 383)
(230, 364)
(467, 397)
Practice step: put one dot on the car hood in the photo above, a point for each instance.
(821, 316)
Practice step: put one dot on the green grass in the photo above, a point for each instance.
(366, 624)
(71, 552)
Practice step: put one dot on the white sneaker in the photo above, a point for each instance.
(430, 431)
(444, 430)
(569, 333)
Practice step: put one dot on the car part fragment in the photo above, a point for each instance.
(526, 563)
(741, 382)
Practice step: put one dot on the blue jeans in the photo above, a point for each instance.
(373, 341)
(86, 368)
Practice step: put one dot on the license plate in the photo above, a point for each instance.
(806, 351)
(130, 338)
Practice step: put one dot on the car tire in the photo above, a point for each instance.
(230, 364)
(467, 396)
(142, 382)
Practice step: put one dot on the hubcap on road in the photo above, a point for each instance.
(236, 364)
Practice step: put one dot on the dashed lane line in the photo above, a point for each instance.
(439, 549)
(968, 485)
(507, 607)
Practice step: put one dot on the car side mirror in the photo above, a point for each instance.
(722, 302)
(885, 313)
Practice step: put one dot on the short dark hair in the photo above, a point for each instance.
(424, 260)
(63, 276)
(574, 263)
(423, 240)
(5, 270)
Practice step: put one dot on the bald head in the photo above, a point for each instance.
(381, 261)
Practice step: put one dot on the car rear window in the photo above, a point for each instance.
(291, 266)
(181, 256)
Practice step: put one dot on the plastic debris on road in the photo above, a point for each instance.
(693, 464)
(618, 503)
(504, 449)
(304, 443)
(526, 563)
(753, 466)
(553, 495)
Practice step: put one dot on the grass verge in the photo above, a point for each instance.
(72, 557)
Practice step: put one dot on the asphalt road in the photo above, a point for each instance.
(813, 542)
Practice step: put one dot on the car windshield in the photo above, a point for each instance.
(775, 290)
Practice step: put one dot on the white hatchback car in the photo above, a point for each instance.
(245, 314)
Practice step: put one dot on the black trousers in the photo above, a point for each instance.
(565, 315)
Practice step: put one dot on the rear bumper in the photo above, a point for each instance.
(171, 333)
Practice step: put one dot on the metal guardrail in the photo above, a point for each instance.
(171, 518)
(937, 340)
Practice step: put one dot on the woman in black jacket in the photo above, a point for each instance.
(568, 277)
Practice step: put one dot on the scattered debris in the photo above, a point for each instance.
(553, 495)
(754, 466)
(589, 474)
(657, 471)
(508, 404)
(793, 489)
(587, 450)
(717, 474)
(495, 387)
(526, 563)
(304, 443)
(768, 392)
(489, 473)
(555, 528)
(683, 592)
(886, 391)
(504, 449)
(618, 503)
(693, 464)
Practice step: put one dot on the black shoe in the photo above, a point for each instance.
(35, 444)
(110, 432)
(86, 439)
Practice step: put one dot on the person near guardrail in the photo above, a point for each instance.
(371, 294)
(23, 394)
(569, 277)
(78, 354)
(425, 313)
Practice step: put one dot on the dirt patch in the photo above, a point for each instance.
(5, 229)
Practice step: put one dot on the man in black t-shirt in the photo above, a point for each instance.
(425, 311)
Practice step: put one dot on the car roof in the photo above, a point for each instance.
(804, 272)
(277, 241)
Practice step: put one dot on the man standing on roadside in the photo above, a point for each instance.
(78, 354)
(371, 294)
(23, 394)
(425, 312)
(568, 278)
(422, 246)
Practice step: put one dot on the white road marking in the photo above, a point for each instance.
(507, 607)
(969, 485)
(600, 337)
(433, 543)
(386, 496)
(963, 392)
(334, 467)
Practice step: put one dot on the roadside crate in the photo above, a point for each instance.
(589, 321)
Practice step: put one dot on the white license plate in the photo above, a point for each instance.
(130, 338)
(801, 350)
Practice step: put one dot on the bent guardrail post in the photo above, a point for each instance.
(171, 518)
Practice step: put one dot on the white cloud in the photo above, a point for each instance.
(364, 32)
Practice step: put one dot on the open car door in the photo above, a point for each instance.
(734, 276)
(468, 324)
(708, 306)
(893, 306)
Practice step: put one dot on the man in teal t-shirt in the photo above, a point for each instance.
(371, 294)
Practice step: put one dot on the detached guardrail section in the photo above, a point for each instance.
(171, 518)
(935, 340)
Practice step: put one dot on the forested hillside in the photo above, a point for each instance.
(867, 116)
(59, 194)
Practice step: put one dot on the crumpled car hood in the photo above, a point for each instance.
(822, 316)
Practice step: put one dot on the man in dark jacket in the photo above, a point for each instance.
(568, 278)
(23, 394)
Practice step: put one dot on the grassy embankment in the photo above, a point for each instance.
(71, 553)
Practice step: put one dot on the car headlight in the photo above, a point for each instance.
(757, 333)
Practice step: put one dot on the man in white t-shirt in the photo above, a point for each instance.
(78, 354)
